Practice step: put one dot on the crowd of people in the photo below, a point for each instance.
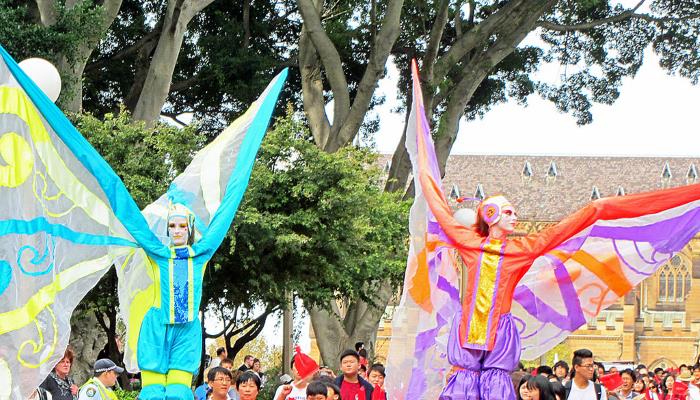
(589, 380)
(584, 379)
(356, 381)
(309, 381)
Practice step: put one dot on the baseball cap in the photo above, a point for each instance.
(105, 364)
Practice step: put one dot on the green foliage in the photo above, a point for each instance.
(126, 395)
(268, 390)
(23, 36)
(311, 222)
(216, 77)
(146, 159)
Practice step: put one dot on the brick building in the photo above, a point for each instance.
(657, 324)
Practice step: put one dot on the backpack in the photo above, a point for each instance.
(596, 386)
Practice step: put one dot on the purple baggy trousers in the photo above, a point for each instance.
(483, 375)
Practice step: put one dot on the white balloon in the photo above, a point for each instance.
(465, 216)
(44, 74)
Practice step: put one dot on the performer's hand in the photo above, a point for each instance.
(286, 390)
(74, 389)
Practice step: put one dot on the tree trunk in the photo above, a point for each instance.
(87, 339)
(316, 50)
(347, 116)
(47, 11)
(160, 72)
(72, 67)
(142, 67)
(336, 332)
(246, 24)
(72, 72)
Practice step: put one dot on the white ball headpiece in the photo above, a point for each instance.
(465, 216)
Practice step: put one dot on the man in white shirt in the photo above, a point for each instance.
(220, 355)
(694, 386)
(303, 368)
(581, 386)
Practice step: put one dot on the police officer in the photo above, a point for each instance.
(98, 387)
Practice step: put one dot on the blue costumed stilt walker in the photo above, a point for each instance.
(66, 218)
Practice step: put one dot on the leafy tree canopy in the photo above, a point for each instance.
(311, 222)
(597, 43)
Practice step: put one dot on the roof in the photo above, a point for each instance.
(547, 188)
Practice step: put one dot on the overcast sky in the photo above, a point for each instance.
(656, 115)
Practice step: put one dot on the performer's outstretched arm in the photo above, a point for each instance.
(238, 181)
(611, 208)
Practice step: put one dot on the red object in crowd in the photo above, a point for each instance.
(378, 393)
(363, 361)
(305, 365)
(680, 389)
(611, 381)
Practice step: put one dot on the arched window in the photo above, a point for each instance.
(674, 280)
(680, 278)
(663, 285)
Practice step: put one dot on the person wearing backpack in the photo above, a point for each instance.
(581, 385)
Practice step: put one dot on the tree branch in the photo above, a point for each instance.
(435, 38)
(312, 91)
(47, 11)
(101, 320)
(477, 69)
(149, 39)
(388, 34)
(329, 58)
(187, 83)
(155, 90)
(246, 24)
(629, 14)
(400, 161)
(477, 35)
(174, 116)
(227, 328)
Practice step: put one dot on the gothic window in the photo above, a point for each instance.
(666, 175)
(454, 193)
(595, 194)
(674, 280)
(666, 172)
(552, 171)
(387, 167)
(692, 174)
(663, 285)
(680, 279)
(620, 191)
(479, 193)
(526, 175)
